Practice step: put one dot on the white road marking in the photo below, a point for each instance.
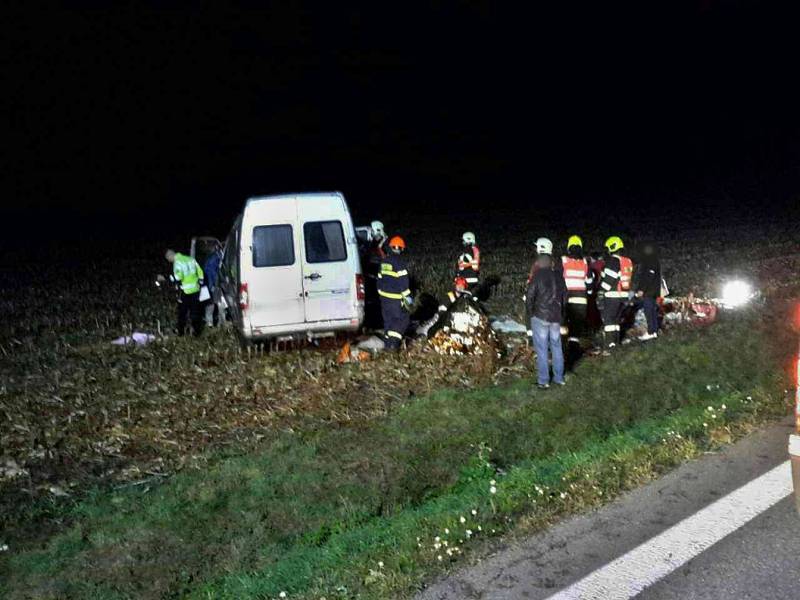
(632, 573)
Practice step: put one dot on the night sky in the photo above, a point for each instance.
(148, 119)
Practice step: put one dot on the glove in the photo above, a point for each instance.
(408, 300)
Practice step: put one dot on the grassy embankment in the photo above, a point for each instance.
(371, 511)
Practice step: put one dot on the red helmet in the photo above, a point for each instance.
(397, 242)
(460, 283)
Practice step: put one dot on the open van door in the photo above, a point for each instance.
(328, 276)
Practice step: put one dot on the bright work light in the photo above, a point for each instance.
(736, 294)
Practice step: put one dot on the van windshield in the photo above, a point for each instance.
(273, 246)
(324, 242)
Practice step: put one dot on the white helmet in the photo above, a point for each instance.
(377, 229)
(544, 246)
(468, 238)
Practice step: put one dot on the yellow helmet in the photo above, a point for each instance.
(614, 244)
(575, 240)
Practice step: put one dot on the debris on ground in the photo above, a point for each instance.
(372, 344)
(350, 353)
(137, 338)
(689, 309)
(465, 331)
(505, 324)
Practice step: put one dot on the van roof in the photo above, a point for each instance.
(300, 196)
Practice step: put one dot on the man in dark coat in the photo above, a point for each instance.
(647, 286)
(544, 301)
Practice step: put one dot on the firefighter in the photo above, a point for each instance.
(460, 290)
(614, 291)
(377, 248)
(395, 295)
(469, 261)
(373, 253)
(188, 278)
(578, 277)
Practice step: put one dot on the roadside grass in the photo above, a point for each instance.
(370, 511)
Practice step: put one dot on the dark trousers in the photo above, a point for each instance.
(650, 308)
(611, 313)
(395, 322)
(189, 306)
(576, 320)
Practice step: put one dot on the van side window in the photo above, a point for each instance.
(273, 246)
(324, 241)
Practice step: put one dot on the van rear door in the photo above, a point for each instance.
(328, 275)
(274, 285)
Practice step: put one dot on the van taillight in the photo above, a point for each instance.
(360, 292)
(244, 297)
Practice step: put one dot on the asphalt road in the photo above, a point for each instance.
(761, 559)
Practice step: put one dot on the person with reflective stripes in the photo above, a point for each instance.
(452, 302)
(614, 291)
(188, 278)
(469, 261)
(578, 278)
(395, 295)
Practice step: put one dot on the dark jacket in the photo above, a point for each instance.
(211, 270)
(393, 280)
(547, 292)
(647, 274)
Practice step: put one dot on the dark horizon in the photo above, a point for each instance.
(153, 121)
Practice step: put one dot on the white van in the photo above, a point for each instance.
(291, 268)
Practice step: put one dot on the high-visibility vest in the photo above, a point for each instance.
(576, 273)
(625, 273)
(469, 264)
(188, 273)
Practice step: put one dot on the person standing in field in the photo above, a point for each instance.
(615, 289)
(213, 312)
(188, 278)
(545, 299)
(395, 295)
(469, 261)
(647, 288)
(578, 278)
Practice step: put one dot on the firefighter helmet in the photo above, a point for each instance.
(468, 238)
(397, 244)
(575, 240)
(544, 246)
(377, 229)
(614, 244)
(460, 283)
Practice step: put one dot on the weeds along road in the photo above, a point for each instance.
(621, 550)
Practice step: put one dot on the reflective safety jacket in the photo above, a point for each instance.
(393, 278)
(187, 273)
(469, 264)
(578, 278)
(616, 279)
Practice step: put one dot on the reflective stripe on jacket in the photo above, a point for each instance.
(616, 276)
(188, 273)
(393, 281)
(469, 264)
